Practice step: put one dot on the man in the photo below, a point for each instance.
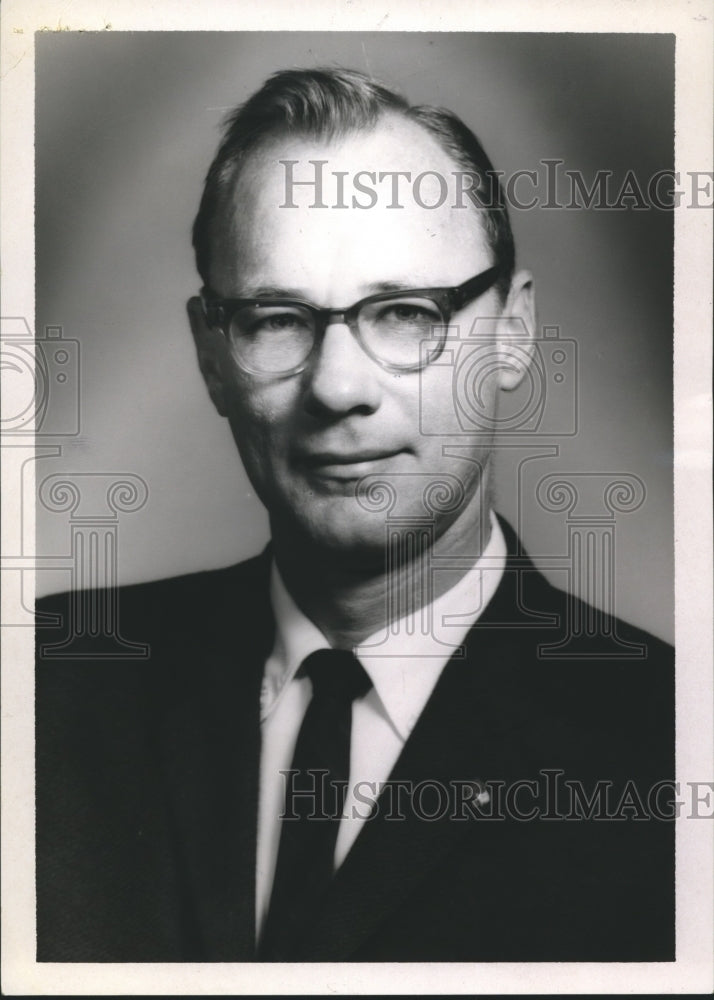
(350, 747)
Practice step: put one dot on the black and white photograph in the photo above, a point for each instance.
(356, 469)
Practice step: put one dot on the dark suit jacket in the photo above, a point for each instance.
(147, 785)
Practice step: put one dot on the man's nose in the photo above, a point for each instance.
(342, 378)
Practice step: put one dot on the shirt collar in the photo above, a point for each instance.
(295, 638)
(403, 659)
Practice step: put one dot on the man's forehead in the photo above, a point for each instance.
(390, 195)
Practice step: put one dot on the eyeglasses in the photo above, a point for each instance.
(276, 336)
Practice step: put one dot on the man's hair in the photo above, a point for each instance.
(328, 104)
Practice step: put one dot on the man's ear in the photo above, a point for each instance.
(516, 331)
(210, 346)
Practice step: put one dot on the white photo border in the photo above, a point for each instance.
(693, 971)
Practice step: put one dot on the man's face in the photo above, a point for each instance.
(307, 440)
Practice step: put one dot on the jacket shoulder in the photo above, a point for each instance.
(178, 602)
(197, 586)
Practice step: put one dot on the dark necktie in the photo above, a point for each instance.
(315, 794)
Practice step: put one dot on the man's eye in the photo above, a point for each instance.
(277, 322)
(408, 314)
(283, 321)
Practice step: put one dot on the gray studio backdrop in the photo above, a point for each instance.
(126, 126)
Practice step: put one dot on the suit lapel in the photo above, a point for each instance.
(210, 744)
(474, 727)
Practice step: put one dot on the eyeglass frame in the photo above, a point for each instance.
(219, 312)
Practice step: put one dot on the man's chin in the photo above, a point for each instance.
(338, 529)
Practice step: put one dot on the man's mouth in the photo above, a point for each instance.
(349, 464)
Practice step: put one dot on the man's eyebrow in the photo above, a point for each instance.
(372, 288)
(272, 292)
(399, 286)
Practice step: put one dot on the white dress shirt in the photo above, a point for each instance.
(403, 660)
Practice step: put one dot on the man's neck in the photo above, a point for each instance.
(351, 600)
